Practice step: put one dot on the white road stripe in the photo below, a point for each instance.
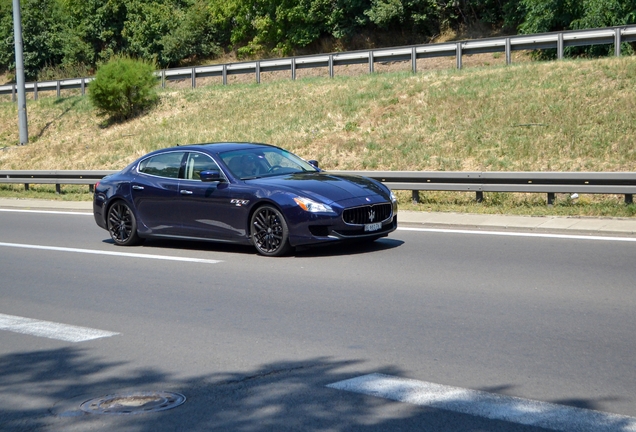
(489, 405)
(434, 230)
(51, 330)
(118, 254)
(47, 212)
(520, 234)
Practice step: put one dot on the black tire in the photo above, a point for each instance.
(269, 232)
(122, 224)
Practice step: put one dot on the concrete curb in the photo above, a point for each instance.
(623, 226)
(34, 204)
(543, 223)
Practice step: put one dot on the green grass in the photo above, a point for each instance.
(575, 115)
(46, 192)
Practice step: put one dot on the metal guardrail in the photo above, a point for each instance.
(57, 177)
(506, 44)
(551, 183)
(623, 183)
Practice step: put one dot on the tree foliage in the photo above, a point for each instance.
(123, 87)
(87, 33)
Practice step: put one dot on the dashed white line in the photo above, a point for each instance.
(47, 212)
(492, 406)
(109, 253)
(520, 234)
(51, 330)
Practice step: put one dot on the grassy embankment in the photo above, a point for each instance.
(556, 116)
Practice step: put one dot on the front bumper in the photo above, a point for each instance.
(336, 230)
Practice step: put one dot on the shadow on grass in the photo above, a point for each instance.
(48, 124)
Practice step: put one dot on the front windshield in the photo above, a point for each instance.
(264, 162)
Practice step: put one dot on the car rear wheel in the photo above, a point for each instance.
(269, 232)
(122, 224)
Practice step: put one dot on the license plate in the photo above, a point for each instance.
(373, 226)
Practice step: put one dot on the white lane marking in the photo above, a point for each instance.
(118, 254)
(520, 234)
(435, 230)
(51, 330)
(489, 405)
(47, 212)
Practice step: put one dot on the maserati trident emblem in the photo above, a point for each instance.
(371, 215)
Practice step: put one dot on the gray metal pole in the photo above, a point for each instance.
(19, 73)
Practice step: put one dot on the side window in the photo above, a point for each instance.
(163, 165)
(198, 162)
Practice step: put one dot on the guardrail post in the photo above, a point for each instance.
(163, 78)
(13, 93)
(629, 198)
(551, 196)
(330, 65)
(458, 54)
(413, 60)
(560, 46)
(58, 88)
(194, 78)
(617, 42)
(258, 72)
(293, 68)
(508, 51)
(58, 189)
(479, 196)
(26, 186)
(415, 196)
(83, 86)
(224, 74)
(35, 90)
(371, 60)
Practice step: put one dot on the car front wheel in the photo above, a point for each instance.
(269, 232)
(122, 224)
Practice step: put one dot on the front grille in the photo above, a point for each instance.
(367, 214)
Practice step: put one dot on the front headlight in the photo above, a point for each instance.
(394, 202)
(312, 206)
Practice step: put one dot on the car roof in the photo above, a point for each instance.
(220, 147)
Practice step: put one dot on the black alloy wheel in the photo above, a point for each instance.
(122, 224)
(269, 232)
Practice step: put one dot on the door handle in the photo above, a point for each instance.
(185, 192)
(137, 187)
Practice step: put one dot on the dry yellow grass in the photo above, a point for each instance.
(560, 116)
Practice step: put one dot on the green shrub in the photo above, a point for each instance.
(123, 88)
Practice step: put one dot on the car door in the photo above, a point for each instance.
(207, 210)
(155, 192)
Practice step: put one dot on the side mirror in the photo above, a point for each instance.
(210, 176)
(314, 163)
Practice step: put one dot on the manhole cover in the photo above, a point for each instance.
(133, 403)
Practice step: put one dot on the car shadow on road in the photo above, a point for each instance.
(43, 390)
(322, 250)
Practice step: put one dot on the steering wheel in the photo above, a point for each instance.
(274, 168)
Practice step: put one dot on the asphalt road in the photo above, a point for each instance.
(253, 342)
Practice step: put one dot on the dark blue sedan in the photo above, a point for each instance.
(240, 193)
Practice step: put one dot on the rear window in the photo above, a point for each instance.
(163, 165)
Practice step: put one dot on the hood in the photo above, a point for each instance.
(326, 187)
